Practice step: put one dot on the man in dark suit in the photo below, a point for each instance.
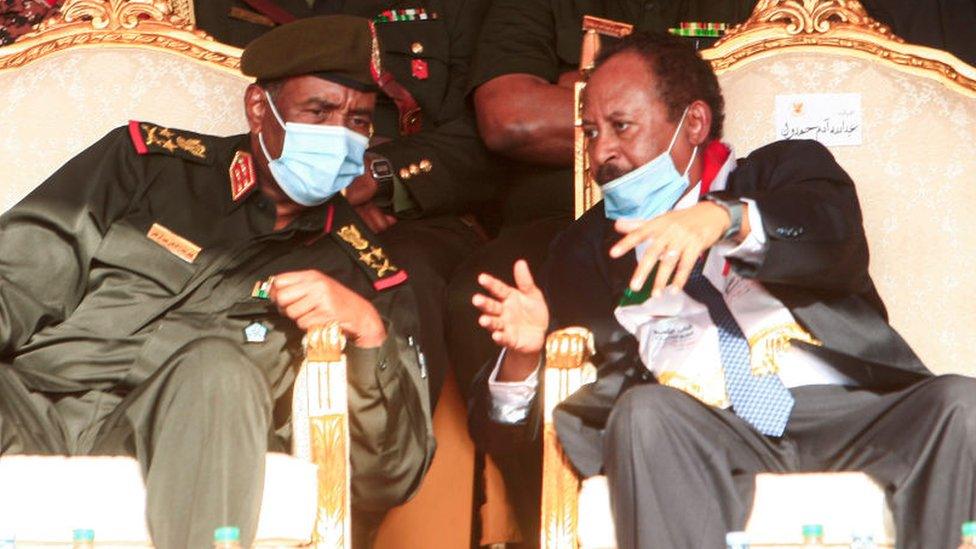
(758, 342)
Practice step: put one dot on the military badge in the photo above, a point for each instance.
(242, 175)
(262, 288)
(152, 139)
(370, 257)
(255, 332)
(419, 69)
(174, 243)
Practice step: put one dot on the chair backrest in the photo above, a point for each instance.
(99, 64)
(914, 168)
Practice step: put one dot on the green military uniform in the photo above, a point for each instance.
(442, 168)
(128, 326)
(542, 38)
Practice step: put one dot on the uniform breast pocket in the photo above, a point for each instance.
(129, 263)
(417, 53)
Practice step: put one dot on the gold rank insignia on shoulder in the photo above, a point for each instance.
(152, 139)
(370, 257)
(242, 175)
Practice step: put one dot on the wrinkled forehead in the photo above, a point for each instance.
(306, 88)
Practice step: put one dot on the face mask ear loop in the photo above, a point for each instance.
(674, 137)
(274, 110)
(264, 148)
(690, 161)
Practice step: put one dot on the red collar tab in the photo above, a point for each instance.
(714, 156)
(243, 178)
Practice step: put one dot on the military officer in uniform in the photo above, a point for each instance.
(139, 316)
(427, 171)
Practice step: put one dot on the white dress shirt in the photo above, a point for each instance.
(678, 342)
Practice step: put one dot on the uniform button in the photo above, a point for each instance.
(781, 231)
(404, 173)
(382, 364)
(414, 169)
(799, 231)
(426, 165)
(417, 48)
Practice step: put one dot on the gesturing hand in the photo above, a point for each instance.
(676, 240)
(517, 317)
(311, 298)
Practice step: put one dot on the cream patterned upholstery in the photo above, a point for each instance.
(56, 106)
(916, 178)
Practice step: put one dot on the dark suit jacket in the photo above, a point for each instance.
(815, 262)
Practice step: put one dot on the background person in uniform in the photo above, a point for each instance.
(427, 171)
(133, 320)
(696, 391)
(521, 83)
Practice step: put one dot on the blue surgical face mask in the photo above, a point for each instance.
(316, 161)
(649, 190)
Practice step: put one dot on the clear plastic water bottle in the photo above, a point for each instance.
(736, 540)
(813, 535)
(863, 539)
(83, 538)
(968, 535)
(227, 537)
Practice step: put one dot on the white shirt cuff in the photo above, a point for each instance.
(511, 400)
(752, 248)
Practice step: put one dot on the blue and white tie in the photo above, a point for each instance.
(763, 400)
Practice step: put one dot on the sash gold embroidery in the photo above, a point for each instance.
(767, 345)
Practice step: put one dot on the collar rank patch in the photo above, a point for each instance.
(242, 175)
(152, 139)
(255, 332)
(370, 257)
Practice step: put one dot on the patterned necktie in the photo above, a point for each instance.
(763, 401)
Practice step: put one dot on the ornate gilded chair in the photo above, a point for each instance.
(916, 177)
(92, 68)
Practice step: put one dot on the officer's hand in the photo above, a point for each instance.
(516, 317)
(311, 298)
(376, 219)
(675, 240)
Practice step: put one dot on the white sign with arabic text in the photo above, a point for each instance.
(830, 118)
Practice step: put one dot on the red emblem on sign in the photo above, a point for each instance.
(242, 177)
(418, 67)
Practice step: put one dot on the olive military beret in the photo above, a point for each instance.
(337, 48)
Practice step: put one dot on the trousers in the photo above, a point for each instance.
(199, 427)
(681, 474)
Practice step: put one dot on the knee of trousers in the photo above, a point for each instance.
(956, 395)
(649, 411)
(217, 370)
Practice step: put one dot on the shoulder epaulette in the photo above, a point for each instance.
(351, 234)
(148, 138)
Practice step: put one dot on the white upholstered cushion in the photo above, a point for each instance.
(841, 502)
(55, 107)
(42, 499)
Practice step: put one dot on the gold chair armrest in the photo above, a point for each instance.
(567, 369)
(320, 431)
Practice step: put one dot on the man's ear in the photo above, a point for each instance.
(255, 107)
(699, 122)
